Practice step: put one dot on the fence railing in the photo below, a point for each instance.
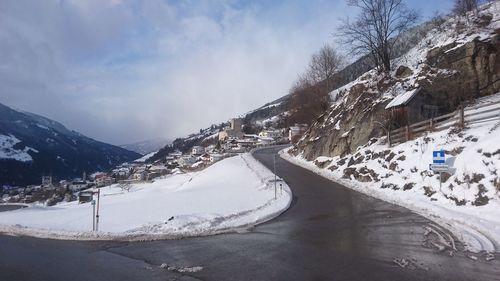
(481, 112)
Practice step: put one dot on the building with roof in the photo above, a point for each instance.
(414, 106)
(233, 132)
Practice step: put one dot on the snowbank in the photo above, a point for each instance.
(468, 203)
(232, 194)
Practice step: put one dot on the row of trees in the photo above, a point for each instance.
(374, 32)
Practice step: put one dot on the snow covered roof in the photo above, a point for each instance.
(402, 99)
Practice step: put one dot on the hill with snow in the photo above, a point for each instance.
(455, 65)
(236, 192)
(32, 146)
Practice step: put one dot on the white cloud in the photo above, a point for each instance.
(122, 71)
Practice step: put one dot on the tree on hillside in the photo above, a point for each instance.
(461, 7)
(376, 29)
(324, 64)
(310, 93)
(307, 101)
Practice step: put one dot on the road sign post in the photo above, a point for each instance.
(439, 165)
(274, 163)
(95, 210)
(93, 215)
(97, 215)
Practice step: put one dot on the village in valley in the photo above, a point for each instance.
(230, 141)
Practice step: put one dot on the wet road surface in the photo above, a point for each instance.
(329, 233)
(8, 207)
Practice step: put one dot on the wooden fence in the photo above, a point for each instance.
(481, 112)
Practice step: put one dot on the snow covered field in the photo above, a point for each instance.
(468, 203)
(233, 193)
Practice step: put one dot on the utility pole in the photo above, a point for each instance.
(97, 215)
(274, 162)
(440, 180)
(93, 214)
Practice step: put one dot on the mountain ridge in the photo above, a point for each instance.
(48, 147)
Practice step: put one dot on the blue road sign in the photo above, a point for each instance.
(438, 157)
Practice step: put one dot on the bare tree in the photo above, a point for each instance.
(309, 96)
(324, 64)
(376, 29)
(125, 186)
(461, 7)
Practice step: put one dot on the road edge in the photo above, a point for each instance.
(253, 164)
(473, 239)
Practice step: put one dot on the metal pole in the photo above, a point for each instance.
(440, 180)
(274, 162)
(93, 214)
(97, 216)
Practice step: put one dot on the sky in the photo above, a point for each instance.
(122, 71)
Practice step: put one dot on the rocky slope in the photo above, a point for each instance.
(455, 62)
(32, 146)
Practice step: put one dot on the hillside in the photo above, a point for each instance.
(455, 66)
(456, 62)
(32, 146)
(146, 146)
(275, 112)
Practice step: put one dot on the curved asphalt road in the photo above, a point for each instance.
(329, 233)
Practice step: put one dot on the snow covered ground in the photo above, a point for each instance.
(232, 194)
(468, 202)
(145, 157)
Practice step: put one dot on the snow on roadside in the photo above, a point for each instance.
(468, 203)
(231, 194)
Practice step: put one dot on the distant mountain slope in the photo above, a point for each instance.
(32, 146)
(146, 146)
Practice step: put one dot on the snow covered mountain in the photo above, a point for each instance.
(32, 146)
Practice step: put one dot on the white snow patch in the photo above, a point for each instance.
(233, 193)
(7, 150)
(146, 157)
(475, 167)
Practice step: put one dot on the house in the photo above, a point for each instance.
(103, 180)
(85, 196)
(176, 154)
(216, 157)
(271, 134)
(78, 185)
(186, 161)
(234, 131)
(263, 141)
(205, 158)
(156, 171)
(46, 181)
(414, 106)
(232, 144)
(210, 148)
(245, 144)
(296, 132)
(197, 150)
(140, 175)
(121, 173)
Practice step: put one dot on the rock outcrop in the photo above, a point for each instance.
(449, 74)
